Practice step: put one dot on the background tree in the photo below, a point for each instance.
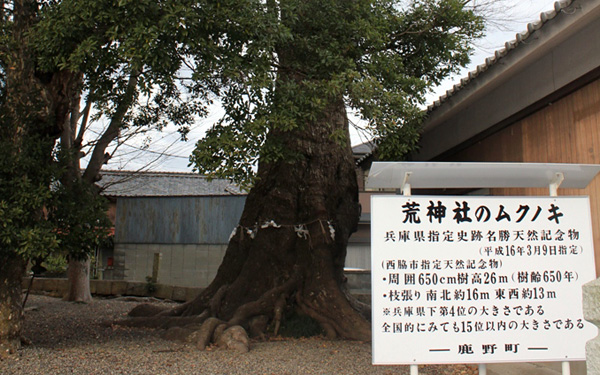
(121, 57)
(78, 215)
(24, 233)
(32, 105)
(126, 55)
(288, 71)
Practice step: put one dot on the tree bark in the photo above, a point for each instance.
(98, 157)
(289, 249)
(78, 273)
(35, 108)
(291, 243)
(11, 308)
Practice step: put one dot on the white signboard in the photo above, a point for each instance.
(480, 279)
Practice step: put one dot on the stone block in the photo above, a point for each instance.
(164, 291)
(63, 288)
(93, 286)
(136, 289)
(49, 285)
(25, 281)
(54, 287)
(35, 286)
(103, 287)
(179, 293)
(191, 293)
(118, 288)
(591, 313)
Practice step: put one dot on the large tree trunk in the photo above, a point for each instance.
(78, 273)
(11, 304)
(290, 246)
(36, 107)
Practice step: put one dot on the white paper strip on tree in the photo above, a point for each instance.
(480, 279)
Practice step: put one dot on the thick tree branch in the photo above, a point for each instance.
(112, 132)
(67, 138)
(84, 122)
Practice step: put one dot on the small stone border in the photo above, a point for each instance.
(57, 287)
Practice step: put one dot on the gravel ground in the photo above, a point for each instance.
(71, 338)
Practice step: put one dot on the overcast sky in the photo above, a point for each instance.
(512, 18)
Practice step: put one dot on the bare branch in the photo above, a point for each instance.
(84, 121)
(112, 132)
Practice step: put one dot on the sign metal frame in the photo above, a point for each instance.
(408, 175)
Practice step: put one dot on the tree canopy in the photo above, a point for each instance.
(129, 55)
(287, 72)
(120, 58)
(381, 57)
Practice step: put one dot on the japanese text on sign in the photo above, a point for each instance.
(479, 279)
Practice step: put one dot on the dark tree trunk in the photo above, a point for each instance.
(35, 109)
(312, 205)
(11, 307)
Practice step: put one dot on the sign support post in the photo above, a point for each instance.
(554, 185)
(406, 191)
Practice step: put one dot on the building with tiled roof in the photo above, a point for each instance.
(521, 39)
(185, 217)
(536, 100)
(162, 184)
(552, 58)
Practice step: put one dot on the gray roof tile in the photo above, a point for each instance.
(162, 184)
(520, 38)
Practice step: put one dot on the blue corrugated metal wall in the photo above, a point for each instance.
(177, 220)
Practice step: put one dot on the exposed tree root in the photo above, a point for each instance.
(278, 310)
(264, 305)
(257, 326)
(178, 334)
(255, 317)
(327, 324)
(219, 331)
(164, 322)
(146, 309)
(362, 308)
(215, 301)
(202, 337)
(290, 244)
(234, 338)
